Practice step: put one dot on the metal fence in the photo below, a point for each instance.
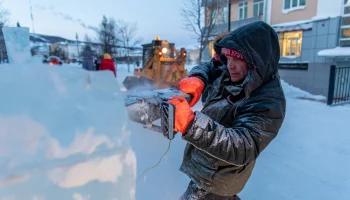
(339, 85)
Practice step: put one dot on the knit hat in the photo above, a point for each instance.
(232, 53)
(107, 56)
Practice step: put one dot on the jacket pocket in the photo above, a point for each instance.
(204, 166)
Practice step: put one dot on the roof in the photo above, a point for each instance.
(299, 25)
(335, 52)
(292, 26)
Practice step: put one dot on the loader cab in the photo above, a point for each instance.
(162, 47)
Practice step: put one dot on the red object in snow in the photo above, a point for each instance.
(107, 64)
(54, 62)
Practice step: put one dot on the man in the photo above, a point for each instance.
(241, 117)
(88, 65)
(88, 60)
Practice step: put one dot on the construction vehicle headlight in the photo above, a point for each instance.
(164, 50)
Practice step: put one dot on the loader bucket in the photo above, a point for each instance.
(133, 83)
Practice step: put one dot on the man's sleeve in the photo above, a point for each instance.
(203, 71)
(253, 129)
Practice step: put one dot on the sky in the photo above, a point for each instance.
(65, 17)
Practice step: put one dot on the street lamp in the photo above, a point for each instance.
(76, 37)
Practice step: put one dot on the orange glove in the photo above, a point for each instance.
(193, 86)
(183, 113)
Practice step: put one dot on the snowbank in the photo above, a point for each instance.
(60, 139)
(294, 92)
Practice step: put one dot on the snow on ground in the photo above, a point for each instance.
(294, 92)
(309, 159)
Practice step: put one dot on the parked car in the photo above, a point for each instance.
(54, 60)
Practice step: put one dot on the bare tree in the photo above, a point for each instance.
(4, 16)
(127, 38)
(107, 35)
(200, 18)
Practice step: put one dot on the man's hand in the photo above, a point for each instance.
(193, 86)
(183, 113)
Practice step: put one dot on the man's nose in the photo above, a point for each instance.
(232, 65)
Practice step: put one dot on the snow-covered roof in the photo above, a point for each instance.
(291, 26)
(335, 52)
(299, 25)
(323, 17)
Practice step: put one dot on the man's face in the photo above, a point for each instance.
(238, 69)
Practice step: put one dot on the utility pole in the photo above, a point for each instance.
(229, 15)
(76, 37)
(31, 14)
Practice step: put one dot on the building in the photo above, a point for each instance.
(242, 13)
(313, 35)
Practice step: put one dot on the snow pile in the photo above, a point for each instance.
(59, 137)
(17, 44)
(294, 92)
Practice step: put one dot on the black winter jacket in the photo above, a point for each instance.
(238, 121)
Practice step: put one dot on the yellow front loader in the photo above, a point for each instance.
(162, 66)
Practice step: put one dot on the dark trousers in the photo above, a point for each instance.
(194, 192)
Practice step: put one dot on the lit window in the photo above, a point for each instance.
(258, 8)
(344, 39)
(345, 33)
(211, 49)
(243, 10)
(290, 43)
(288, 4)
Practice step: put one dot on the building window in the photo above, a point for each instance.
(211, 49)
(243, 10)
(258, 8)
(344, 39)
(290, 43)
(289, 4)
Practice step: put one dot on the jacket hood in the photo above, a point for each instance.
(259, 45)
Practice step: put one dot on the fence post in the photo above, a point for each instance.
(331, 85)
